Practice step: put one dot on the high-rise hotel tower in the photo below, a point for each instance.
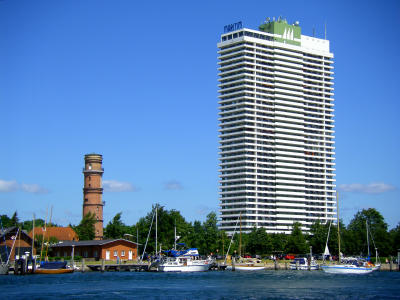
(276, 128)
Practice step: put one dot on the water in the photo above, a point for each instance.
(206, 285)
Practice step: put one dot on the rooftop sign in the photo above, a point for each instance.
(233, 27)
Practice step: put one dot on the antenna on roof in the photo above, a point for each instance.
(325, 29)
(313, 32)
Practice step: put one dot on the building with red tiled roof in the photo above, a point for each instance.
(60, 233)
(113, 249)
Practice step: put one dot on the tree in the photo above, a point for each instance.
(166, 220)
(6, 221)
(14, 221)
(28, 224)
(197, 237)
(377, 228)
(85, 229)
(115, 229)
(279, 242)
(259, 242)
(394, 240)
(210, 233)
(297, 242)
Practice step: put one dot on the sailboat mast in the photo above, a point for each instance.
(137, 241)
(175, 236)
(156, 230)
(366, 226)
(240, 236)
(48, 236)
(338, 225)
(44, 234)
(33, 233)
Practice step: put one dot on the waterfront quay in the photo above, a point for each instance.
(134, 266)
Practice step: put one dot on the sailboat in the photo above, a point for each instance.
(243, 265)
(50, 267)
(346, 266)
(183, 260)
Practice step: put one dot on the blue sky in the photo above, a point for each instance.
(136, 81)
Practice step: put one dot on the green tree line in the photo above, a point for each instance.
(209, 239)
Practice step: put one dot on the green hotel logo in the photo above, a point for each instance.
(284, 33)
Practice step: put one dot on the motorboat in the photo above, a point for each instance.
(183, 261)
(301, 263)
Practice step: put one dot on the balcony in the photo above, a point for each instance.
(93, 170)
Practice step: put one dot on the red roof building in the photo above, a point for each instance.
(115, 249)
(60, 233)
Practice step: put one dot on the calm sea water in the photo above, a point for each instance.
(207, 285)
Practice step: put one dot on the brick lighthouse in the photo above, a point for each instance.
(93, 191)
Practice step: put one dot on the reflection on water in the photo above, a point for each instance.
(207, 285)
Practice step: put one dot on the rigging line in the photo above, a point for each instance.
(372, 238)
(151, 224)
(227, 252)
(12, 247)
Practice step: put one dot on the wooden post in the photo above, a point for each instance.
(398, 260)
(15, 267)
(33, 265)
(275, 265)
(286, 266)
(391, 264)
(102, 265)
(233, 263)
(83, 265)
(23, 266)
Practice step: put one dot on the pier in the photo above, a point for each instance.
(125, 267)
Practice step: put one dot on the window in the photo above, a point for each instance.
(95, 253)
(122, 252)
(115, 253)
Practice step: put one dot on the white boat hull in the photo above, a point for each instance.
(303, 268)
(246, 268)
(346, 269)
(192, 268)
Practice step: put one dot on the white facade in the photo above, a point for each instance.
(276, 131)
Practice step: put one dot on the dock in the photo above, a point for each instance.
(126, 267)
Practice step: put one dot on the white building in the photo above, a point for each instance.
(276, 128)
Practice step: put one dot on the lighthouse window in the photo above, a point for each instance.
(90, 166)
(86, 200)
